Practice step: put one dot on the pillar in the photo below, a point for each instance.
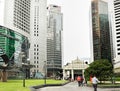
(83, 73)
(64, 74)
(72, 72)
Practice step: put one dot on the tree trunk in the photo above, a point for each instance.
(4, 76)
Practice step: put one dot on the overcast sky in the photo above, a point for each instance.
(76, 29)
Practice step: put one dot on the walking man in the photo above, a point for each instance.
(79, 80)
(95, 82)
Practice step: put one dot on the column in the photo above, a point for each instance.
(83, 73)
(72, 72)
(64, 74)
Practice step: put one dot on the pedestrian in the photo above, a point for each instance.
(95, 82)
(31, 75)
(79, 80)
(91, 79)
(82, 81)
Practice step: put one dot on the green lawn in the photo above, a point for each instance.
(17, 85)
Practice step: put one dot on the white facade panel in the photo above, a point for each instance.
(8, 19)
(8, 15)
(91, 38)
(2, 12)
(115, 21)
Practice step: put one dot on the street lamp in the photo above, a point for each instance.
(52, 66)
(22, 55)
(23, 65)
(45, 72)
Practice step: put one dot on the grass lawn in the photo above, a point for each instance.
(17, 85)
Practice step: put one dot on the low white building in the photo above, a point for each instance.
(73, 69)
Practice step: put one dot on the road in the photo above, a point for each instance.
(74, 87)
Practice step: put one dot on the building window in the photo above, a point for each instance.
(37, 49)
(37, 53)
(37, 66)
(37, 57)
(37, 62)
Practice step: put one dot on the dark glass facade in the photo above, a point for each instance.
(12, 44)
(101, 32)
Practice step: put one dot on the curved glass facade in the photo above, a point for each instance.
(13, 44)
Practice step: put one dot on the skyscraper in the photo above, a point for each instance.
(38, 36)
(14, 32)
(54, 40)
(115, 22)
(14, 26)
(100, 30)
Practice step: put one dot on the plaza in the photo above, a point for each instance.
(73, 86)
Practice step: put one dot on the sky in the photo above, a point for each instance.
(76, 30)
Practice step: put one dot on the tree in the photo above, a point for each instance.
(4, 67)
(101, 68)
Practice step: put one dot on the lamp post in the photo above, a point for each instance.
(113, 78)
(22, 55)
(44, 72)
(52, 64)
(23, 65)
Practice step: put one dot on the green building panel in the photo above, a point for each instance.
(12, 42)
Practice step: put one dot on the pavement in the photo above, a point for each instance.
(73, 86)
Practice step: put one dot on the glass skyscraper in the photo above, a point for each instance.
(100, 30)
(54, 40)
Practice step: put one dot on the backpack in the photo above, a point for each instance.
(78, 78)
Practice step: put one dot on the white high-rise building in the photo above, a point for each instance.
(38, 35)
(115, 23)
(15, 14)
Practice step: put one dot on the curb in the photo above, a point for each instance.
(34, 88)
(109, 86)
(99, 86)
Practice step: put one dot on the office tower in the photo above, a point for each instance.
(100, 30)
(54, 40)
(38, 36)
(14, 26)
(115, 22)
(14, 33)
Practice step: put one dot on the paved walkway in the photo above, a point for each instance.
(74, 87)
